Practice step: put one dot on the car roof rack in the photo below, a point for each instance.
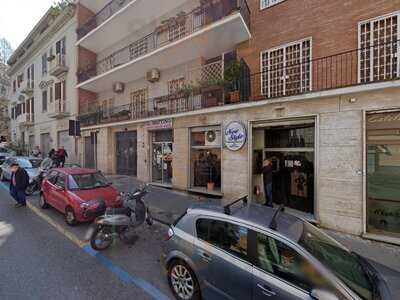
(227, 208)
(273, 225)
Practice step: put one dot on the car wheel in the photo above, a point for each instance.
(42, 202)
(182, 281)
(70, 217)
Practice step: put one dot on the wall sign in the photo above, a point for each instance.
(235, 136)
(159, 124)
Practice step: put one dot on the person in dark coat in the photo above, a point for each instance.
(62, 156)
(267, 180)
(18, 185)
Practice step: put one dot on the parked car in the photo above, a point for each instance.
(258, 252)
(30, 164)
(77, 192)
(5, 153)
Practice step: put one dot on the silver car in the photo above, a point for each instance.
(30, 164)
(5, 153)
(256, 252)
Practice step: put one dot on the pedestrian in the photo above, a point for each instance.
(52, 153)
(267, 180)
(36, 152)
(62, 155)
(19, 182)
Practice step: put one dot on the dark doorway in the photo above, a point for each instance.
(126, 153)
(90, 161)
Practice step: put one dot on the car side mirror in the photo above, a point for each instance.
(318, 294)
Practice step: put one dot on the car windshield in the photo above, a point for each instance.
(344, 264)
(24, 163)
(87, 181)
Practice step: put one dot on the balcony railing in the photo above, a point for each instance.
(58, 65)
(105, 13)
(358, 67)
(60, 109)
(171, 30)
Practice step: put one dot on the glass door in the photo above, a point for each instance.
(162, 162)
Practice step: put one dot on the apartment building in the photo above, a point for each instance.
(195, 95)
(43, 79)
(4, 99)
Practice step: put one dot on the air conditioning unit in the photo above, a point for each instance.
(118, 87)
(212, 138)
(153, 75)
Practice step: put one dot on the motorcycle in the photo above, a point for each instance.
(36, 184)
(118, 222)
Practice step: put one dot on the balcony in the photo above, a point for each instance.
(300, 77)
(58, 65)
(60, 110)
(26, 120)
(28, 89)
(115, 20)
(177, 40)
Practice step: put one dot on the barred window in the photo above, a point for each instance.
(269, 3)
(139, 100)
(378, 58)
(175, 85)
(286, 70)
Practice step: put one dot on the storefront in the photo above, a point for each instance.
(126, 152)
(290, 146)
(162, 142)
(383, 174)
(205, 159)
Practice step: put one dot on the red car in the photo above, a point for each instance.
(78, 193)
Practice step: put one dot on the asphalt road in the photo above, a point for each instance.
(38, 261)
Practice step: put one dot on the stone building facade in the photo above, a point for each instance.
(4, 100)
(316, 93)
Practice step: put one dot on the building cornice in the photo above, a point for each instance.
(21, 55)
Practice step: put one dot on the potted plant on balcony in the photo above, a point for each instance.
(212, 91)
(232, 78)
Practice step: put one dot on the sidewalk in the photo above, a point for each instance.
(169, 204)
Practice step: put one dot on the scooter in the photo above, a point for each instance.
(36, 184)
(118, 222)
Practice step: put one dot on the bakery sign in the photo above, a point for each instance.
(159, 124)
(235, 136)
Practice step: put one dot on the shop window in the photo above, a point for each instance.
(383, 173)
(206, 159)
(162, 156)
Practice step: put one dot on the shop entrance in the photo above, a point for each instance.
(289, 146)
(126, 153)
(162, 155)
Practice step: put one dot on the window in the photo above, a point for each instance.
(139, 102)
(44, 101)
(44, 64)
(30, 76)
(20, 79)
(51, 96)
(60, 46)
(14, 85)
(60, 181)
(226, 236)
(138, 48)
(206, 159)
(177, 31)
(279, 259)
(269, 3)
(52, 177)
(378, 58)
(286, 70)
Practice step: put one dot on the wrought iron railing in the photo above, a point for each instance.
(105, 13)
(377, 63)
(171, 30)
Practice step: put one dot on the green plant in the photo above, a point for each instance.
(61, 5)
(187, 89)
(232, 76)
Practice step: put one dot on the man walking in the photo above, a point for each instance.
(62, 155)
(267, 179)
(19, 182)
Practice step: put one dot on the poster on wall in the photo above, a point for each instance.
(235, 136)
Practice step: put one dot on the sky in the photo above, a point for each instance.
(18, 17)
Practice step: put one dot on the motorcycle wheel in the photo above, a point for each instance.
(30, 189)
(101, 238)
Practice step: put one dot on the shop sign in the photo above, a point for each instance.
(235, 136)
(383, 120)
(159, 124)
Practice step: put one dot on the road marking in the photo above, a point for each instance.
(103, 260)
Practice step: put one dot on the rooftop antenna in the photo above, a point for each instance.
(227, 208)
(273, 225)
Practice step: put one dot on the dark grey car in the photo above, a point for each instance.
(257, 252)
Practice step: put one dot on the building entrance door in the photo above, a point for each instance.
(290, 149)
(126, 153)
(162, 153)
(45, 143)
(90, 161)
